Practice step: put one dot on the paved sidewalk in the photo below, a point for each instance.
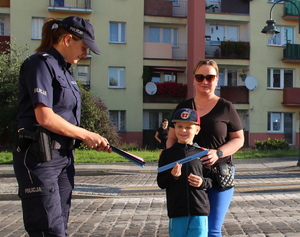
(123, 200)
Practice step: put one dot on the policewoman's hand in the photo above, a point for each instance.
(97, 142)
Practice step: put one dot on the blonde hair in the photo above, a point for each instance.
(207, 62)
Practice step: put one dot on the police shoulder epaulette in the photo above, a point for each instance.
(44, 55)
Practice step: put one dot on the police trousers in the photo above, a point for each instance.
(45, 190)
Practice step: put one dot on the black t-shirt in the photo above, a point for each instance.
(216, 124)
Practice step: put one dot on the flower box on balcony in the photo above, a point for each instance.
(167, 92)
(235, 49)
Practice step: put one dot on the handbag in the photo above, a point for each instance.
(222, 176)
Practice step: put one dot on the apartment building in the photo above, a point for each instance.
(262, 83)
(149, 49)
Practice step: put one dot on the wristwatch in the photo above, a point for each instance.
(219, 153)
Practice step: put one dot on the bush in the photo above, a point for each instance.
(272, 144)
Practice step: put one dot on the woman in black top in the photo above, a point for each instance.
(221, 133)
(161, 134)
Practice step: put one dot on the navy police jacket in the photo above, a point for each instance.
(45, 78)
(183, 199)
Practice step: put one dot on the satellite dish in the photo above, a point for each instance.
(151, 88)
(251, 83)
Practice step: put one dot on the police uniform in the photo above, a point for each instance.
(45, 188)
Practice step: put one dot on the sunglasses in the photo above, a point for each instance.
(200, 77)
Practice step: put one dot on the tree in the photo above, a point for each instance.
(95, 118)
(10, 61)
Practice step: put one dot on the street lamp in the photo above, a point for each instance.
(270, 29)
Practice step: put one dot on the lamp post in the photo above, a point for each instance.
(270, 29)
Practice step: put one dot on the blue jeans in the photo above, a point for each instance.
(219, 203)
(188, 226)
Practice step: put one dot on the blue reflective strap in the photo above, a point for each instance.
(182, 161)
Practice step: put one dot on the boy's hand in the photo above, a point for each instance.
(195, 180)
(176, 171)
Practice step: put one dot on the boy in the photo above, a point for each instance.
(185, 184)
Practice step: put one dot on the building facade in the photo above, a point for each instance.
(149, 49)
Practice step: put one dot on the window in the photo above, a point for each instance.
(159, 77)
(152, 119)
(116, 77)
(285, 36)
(228, 77)
(83, 74)
(163, 35)
(170, 76)
(223, 33)
(117, 32)
(36, 27)
(1, 27)
(280, 78)
(118, 119)
(281, 123)
(58, 3)
(176, 3)
(275, 122)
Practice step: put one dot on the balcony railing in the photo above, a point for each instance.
(164, 51)
(167, 8)
(5, 3)
(291, 96)
(227, 6)
(227, 49)
(291, 53)
(290, 11)
(70, 5)
(235, 94)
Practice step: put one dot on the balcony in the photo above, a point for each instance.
(227, 6)
(235, 94)
(290, 11)
(291, 96)
(227, 49)
(79, 6)
(291, 53)
(164, 51)
(5, 3)
(166, 8)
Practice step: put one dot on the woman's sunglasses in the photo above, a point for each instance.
(200, 77)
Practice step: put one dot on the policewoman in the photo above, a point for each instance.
(48, 121)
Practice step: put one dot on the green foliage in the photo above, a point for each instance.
(272, 144)
(238, 49)
(95, 118)
(10, 62)
(147, 74)
(92, 156)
